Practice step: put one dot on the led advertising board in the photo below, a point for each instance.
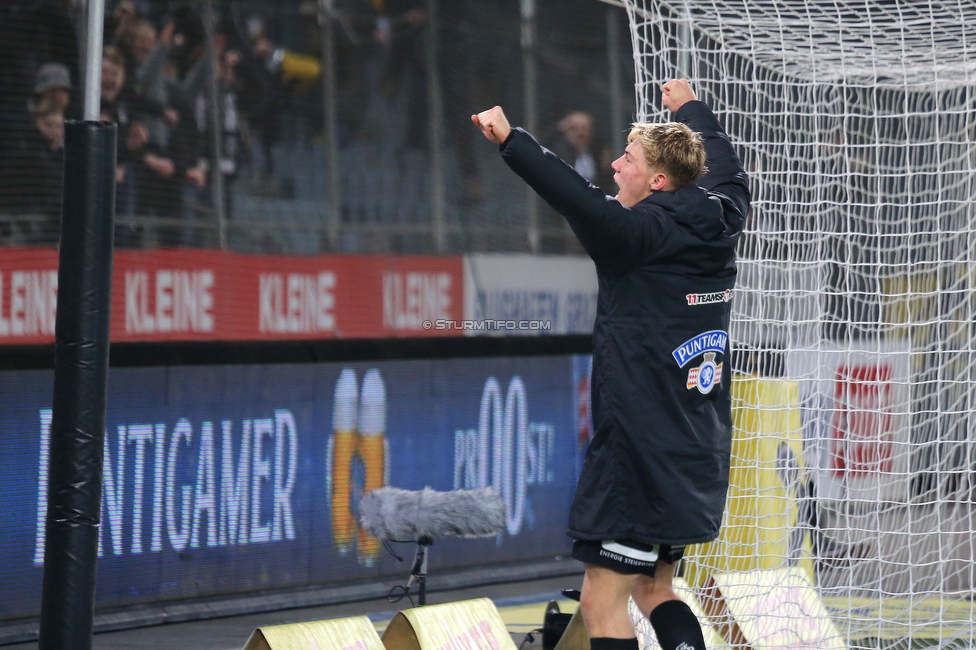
(229, 479)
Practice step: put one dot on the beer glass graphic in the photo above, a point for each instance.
(358, 431)
(372, 450)
(345, 412)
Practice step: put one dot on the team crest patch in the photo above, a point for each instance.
(705, 376)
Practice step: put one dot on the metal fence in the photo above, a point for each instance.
(330, 126)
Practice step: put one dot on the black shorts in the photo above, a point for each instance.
(626, 557)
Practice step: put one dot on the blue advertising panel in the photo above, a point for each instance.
(227, 479)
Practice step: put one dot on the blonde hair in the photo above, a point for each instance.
(673, 148)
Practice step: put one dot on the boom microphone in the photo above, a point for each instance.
(411, 516)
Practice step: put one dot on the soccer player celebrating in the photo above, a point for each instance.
(656, 473)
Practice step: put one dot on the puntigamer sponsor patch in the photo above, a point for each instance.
(711, 341)
(708, 298)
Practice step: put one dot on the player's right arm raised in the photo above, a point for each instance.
(493, 124)
(610, 233)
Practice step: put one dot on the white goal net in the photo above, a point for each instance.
(853, 316)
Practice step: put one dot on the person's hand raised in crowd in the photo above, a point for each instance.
(171, 115)
(162, 166)
(263, 47)
(676, 93)
(166, 36)
(137, 136)
(126, 19)
(197, 176)
(227, 66)
(493, 124)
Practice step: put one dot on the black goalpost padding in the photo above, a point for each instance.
(80, 386)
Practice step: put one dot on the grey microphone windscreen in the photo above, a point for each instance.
(404, 515)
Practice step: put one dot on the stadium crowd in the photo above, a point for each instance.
(156, 69)
(265, 108)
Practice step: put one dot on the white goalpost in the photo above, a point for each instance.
(853, 328)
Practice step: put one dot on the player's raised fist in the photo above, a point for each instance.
(493, 124)
(676, 93)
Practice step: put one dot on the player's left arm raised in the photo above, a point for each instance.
(725, 175)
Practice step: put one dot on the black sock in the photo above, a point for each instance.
(677, 626)
(606, 643)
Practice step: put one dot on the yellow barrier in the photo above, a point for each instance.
(356, 633)
(762, 511)
(469, 624)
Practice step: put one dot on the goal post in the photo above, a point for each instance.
(853, 328)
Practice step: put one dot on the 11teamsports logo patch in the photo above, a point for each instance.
(708, 298)
(709, 373)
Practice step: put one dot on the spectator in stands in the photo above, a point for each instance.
(233, 143)
(49, 120)
(575, 144)
(157, 176)
(31, 34)
(186, 73)
(53, 84)
(144, 90)
(153, 77)
(472, 79)
(120, 30)
(31, 178)
(187, 147)
(233, 147)
(129, 230)
(393, 81)
(143, 42)
(116, 106)
(114, 102)
(157, 180)
(270, 75)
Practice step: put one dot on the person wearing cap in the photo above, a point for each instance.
(52, 87)
(24, 158)
(52, 84)
(31, 178)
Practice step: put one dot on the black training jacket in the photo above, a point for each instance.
(657, 469)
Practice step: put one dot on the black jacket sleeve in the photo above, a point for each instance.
(725, 177)
(614, 236)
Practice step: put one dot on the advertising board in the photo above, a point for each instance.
(203, 295)
(559, 291)
(855, 408)
(229, 479)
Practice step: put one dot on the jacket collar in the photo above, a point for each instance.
(691, 207)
